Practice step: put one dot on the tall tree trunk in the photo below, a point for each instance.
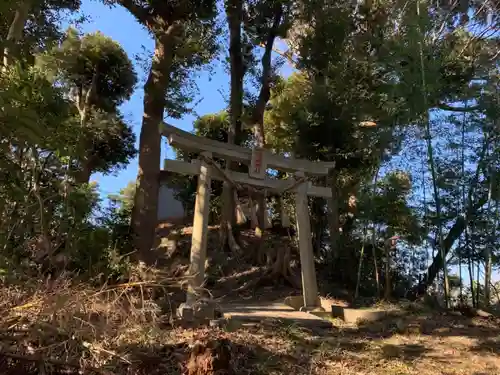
(388, 288)
(489, 260)
(478, 284)
(437, 201)
(334, 214)
(82, 176)
(463, 203)
(83, 102)
(318, 222)
(360, 264)
(375, 265)
(144, 213)
(489, 244)
(259, 134)
(263, 98)
(454, 234)
(461, 292)
(437, 263)
(234, 14)
(470, 267)
(374, 232)
(476, 255)
(15, 33)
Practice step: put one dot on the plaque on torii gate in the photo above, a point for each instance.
(258, 164)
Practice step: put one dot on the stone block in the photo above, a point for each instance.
(357, 315)
(204, 311)
(199, 312)
(185, 312)
(217, 323)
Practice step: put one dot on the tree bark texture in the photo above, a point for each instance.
(234, 13)
(82, 176)
(258, 115)
(15, 32)
(437, 263)
(334, 214)
(144, 213)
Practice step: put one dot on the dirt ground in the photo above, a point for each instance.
(419, 344)
(77, 331)
(58, 327)
(423, 345)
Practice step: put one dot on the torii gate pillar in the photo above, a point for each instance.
(309, 282)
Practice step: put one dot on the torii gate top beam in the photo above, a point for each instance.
(188, 141)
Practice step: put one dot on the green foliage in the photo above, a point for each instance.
(124, 200)
(386, 206)
(49, 219)
(80, 60)
(42, 27)
(97, 74)
(342, 83)
(100, 241)
(31, 108)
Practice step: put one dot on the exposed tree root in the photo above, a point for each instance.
(227, 237)
(275, 270)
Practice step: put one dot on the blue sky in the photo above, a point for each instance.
(118, 24)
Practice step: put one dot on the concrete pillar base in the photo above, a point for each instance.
(185, 312)
(312, 309)
(198, 312)
(297, 303)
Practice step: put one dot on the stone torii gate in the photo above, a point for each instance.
(258, 160)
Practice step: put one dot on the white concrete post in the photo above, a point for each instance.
(200, 232)
(309, 282)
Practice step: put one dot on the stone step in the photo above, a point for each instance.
(273, 311)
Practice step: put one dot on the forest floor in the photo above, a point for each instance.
(56, 329)
(61, 327)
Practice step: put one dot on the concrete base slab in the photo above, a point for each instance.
(350, 315)
(312, 309)
(275, 311)
(297, 302)
(205, 311)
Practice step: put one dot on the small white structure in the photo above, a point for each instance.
(169, 207)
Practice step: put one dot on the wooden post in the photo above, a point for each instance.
(309, 282)
(200, 232)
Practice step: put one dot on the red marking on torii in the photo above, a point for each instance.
(258, 161)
